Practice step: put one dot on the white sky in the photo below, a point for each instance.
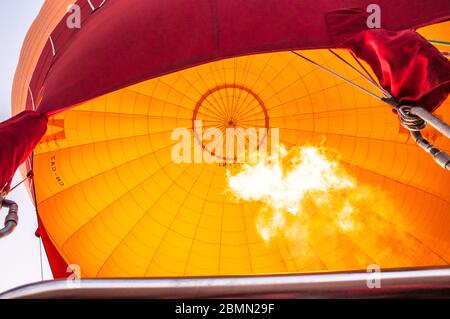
(20, 261)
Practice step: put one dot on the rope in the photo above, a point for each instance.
(362, 66)
(367, 77)
(29, 176)
(440, 42)
(339, 76)
(40, 257)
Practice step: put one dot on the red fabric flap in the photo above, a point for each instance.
(406, 65)
(18, 136)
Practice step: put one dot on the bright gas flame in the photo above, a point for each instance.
(296, 182)
(314, 206)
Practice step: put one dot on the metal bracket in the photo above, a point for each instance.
(412, 283)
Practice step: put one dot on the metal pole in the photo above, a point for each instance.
(415, 119)
(440, 157)
(425, 283)
(435, 122)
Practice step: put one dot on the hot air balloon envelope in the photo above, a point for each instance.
(112, 200)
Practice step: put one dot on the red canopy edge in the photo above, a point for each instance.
(162, 36)
(18, 137)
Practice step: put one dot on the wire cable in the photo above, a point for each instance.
(339, 76)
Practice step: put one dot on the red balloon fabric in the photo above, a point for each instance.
(407, 66)
(126, 42)
(18, 137)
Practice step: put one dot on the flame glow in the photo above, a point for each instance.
(292, 182)
(309, 200)
(284, 182)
